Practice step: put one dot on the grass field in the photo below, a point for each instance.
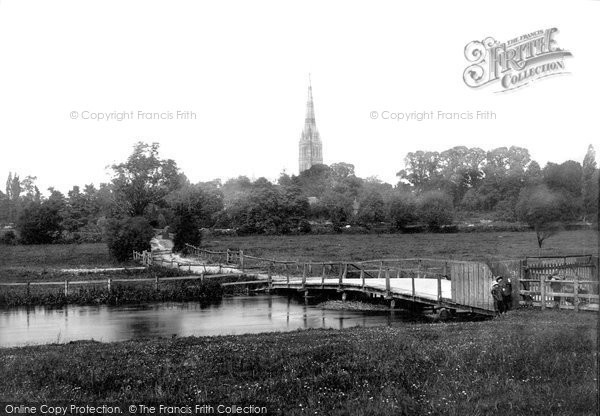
(62, 256)
(459, 246)
(526, 363)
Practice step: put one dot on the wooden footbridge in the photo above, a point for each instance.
(569, 282)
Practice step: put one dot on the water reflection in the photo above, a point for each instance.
(238, 315)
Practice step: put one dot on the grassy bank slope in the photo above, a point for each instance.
(530, 363)
(460, 246)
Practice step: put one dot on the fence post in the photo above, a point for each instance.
(28, 288)
(287, 275)
(227, 257)
(202, 277)
(412, 279)
(242, 260)
(439, 288)
(269, 280)
(67, 287)
(362, 277)
(419, 270)
(387, 283)
(543, 290)
(323, 276)
(576, 295)
(108, 284)
(156, 283)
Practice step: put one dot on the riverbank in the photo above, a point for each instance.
(527, 362)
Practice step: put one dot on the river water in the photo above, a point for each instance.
(236, 315)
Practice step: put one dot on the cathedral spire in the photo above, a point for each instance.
(310, 107)
(310, 147)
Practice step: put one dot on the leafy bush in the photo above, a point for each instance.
(186, 231)
(401, 210)
(8, 238)
(40, 223)
(124, 236)
(435, 209)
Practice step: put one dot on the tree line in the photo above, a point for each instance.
(434, 189)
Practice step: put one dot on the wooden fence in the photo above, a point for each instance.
(109, 283)
(565, 282)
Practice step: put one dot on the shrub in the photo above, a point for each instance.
(40, 223)
(124, 236)
(435, 209)
(401, 210)
(8, 238)
(186, 232)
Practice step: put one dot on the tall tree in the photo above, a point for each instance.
(589, 181)
(144, 179)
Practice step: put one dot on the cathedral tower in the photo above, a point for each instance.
(310, 146)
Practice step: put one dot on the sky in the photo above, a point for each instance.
(242, 69)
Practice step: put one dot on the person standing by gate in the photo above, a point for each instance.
(497, 295)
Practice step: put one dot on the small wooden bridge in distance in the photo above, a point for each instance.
(572, 281)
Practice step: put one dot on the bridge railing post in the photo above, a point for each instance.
(387, 282)
(304, 276)
(269, 279)
(343, 273)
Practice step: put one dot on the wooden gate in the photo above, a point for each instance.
(568, 282)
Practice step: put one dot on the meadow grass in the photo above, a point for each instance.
(459, 246)
(526, 363)
(44, 257)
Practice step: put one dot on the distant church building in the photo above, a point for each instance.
(310, 146)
